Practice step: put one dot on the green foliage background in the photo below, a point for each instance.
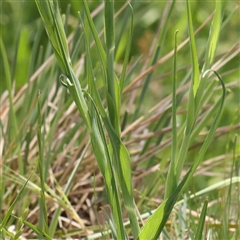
(20, 26)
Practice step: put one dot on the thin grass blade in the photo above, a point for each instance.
(41, 234)
(171, 182)
(100, 49)
(12, 124)
(51, 17)
(146, 83)
(191, 111)
(43, 205)
(19, 225)
(131, 71)
(10, 210)
(201, 222)
(110, 48)
(195, 68)
(211, 47)
(127, 52)
(102, 154)
(213, 36)
(113, 95)
(165, 23)
(123, 170)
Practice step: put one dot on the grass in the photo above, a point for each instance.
(106, 143)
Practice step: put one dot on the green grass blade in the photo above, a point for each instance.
(12, 124)
(77, 95)
(201, 222)
(18, 229)
(171, 182)
(123, 170)
(121, 37)
(195, 69)
(158, 219)
(211, 48)
(112, 227)
(204, 93)
(36, 56)
(191, 109)
(123, 167)
(110, 46)
(165, 23)
(51, 17)
(43, 205)
(212, 130)
(146, 83)
(122, 161)
(216, 186)
(5, 232)
(10, 210)
(131, 71)
(213, 36)
(93, 91)
(75, 86)
(183, 153)
(127, 52)
(41, 234)
(127, 188)
(105, 164)
(73, 173)
(100, 49)
(205, 120)
(112, 94)
(229, 16)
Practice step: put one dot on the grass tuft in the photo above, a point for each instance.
(117, 125)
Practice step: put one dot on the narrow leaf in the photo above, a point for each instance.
(10, 210)
(102, 154)
(171, 182)
(213, 36)
(195, 71)
(41, 170)
(127, 52)
(201, 222)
